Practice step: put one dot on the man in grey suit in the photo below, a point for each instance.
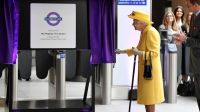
(192, 40)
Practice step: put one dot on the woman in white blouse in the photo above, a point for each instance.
(169, 24)
(179, 15)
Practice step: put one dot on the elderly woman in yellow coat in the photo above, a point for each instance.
(150, 92)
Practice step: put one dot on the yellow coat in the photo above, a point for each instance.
(149, 91)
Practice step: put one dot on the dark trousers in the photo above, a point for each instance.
(197, 87)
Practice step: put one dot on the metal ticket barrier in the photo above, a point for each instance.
(15, 81)
(57, 76)
(11, 72)
(171, 74)
(169, 68)
(104, 83)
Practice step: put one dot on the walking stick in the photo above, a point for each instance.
(129, 110)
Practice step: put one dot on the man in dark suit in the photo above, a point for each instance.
(192, 40)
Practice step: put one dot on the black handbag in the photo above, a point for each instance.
(147, 68)
(186, 88)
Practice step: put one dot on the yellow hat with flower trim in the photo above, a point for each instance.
(141, 16)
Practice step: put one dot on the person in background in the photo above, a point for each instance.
(192, 40)
(185, 50)
(169, 24)
(150, 92)
(179, 15)
(186, 26)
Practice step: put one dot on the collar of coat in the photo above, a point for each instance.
(145, 30)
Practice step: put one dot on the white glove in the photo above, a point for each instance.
(118, 51)
(136, 51)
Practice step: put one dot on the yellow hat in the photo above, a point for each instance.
(141, 16)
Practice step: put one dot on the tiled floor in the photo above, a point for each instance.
(37, 89)
(184, 104)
